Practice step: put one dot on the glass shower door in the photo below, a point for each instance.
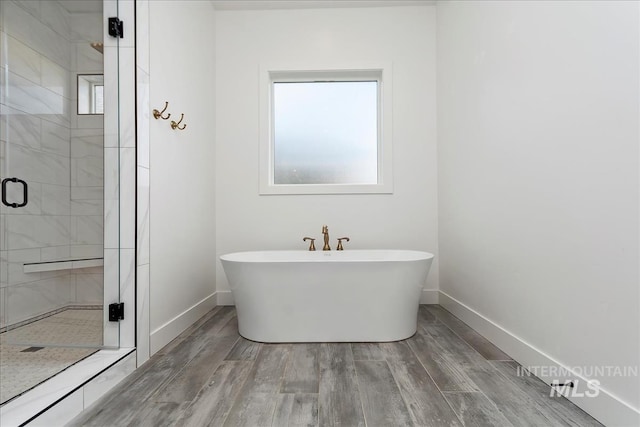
(53, 168)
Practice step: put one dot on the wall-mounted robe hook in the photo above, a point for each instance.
(175, 125)
(158, 114)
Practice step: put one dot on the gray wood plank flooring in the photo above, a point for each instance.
(339, 401)
(537, 390)
(445, 375)
(214, 402)
(302, 375)
(471, 337)
(475, 409)
(296, 409)
(381, 399)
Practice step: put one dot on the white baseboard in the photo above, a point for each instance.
(429, 296)
(167, 332)
(605, 407)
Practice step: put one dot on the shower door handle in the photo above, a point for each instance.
(25, 193)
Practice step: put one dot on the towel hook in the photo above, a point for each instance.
(175, 125)
(158, 114)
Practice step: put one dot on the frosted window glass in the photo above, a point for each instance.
(98, 99)
(325, 132)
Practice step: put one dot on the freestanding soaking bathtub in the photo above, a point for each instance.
(338, 296)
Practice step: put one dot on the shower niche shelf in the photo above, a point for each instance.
(37, 267)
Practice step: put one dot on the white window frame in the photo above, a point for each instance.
(270, 74)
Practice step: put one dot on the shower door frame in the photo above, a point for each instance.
(119, 176)
(58, 400)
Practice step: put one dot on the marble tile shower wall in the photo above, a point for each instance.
(87, 163)
(59, 154)
(143, 109)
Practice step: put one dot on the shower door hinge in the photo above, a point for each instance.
(116, 28)
(116, 312)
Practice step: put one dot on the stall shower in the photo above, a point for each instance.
(52, 171)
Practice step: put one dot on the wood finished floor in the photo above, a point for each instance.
(445, 375)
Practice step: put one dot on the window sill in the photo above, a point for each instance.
(300, 189)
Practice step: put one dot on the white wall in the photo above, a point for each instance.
(182, 179)
(538, 181)
(406, 219)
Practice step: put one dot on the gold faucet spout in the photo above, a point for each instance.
(325, 231)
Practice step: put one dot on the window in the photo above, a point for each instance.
(325, 132)
(90, 94)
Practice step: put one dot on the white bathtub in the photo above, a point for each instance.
(337, 296)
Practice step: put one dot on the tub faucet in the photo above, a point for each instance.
(325, 231)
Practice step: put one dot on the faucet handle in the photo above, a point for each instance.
(312, 246)
(340, 239)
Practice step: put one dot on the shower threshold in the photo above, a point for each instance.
(64, 396)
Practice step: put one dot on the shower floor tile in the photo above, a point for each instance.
(64, 338)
